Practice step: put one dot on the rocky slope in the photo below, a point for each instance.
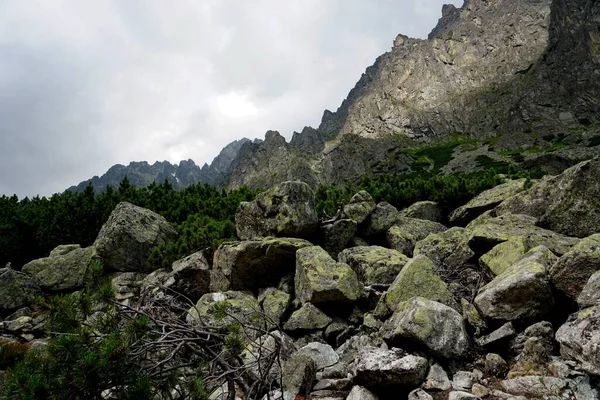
(377, 303)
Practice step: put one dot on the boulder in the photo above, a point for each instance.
(419, 394)
(360, 207)
(17, 290)
(533, 360)
(437, 379)
(537, 387)
(427, 210)
(63, 249)
(504, 255)
(61, 273)
(459, 395)
(408, 231)
(572, 271)
(488, 231)
(472, 316)
(250, 265)
(299, 374)
(192, 276)
(322, 354)
(495, 365)
(257, 356)
(307, 318)
(417, 278)
(129, 235)
(336, 235)
(379, 369)
(462, 380)
(486, 200)
(374, 264)
(360, 393)
(320, 279)
(286, 210)
(567, 203)
(127, 285)
(522, 292)
(502, 334)
(275, 304)
(448, 250)
(430, 325)
(541, 330)
(590, 295)
(381, 219)
(579, 339)
(212, 307)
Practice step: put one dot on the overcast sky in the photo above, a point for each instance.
(88, 84)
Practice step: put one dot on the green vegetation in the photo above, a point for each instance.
(594, 141)
(437, 156)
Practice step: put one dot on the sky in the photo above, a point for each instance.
(85, 85)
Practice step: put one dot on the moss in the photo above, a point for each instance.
(489, 163)
(438, 155)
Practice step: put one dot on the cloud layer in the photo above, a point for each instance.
(85, 85)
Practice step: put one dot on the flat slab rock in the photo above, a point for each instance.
(379, 368)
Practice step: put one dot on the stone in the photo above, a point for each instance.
(17, 290)
(337, 235)
(417, 278)
(275, 304)
(462, 380)
(299, 373)
(381, 219)
(579, 339)
(379, 368)
(449, 250)
(243, 307)
(504, 333)
(286, 210)
(126, 239)
(522, 292)
(127, 285)
(192, 276)
(374, 264)
(63, 249)
(360, 393)
(427, 210)
(61, 273)
(495, 365)
(488, 231)
(257, 355)
(457, 395)
(157, 283)
(429, 324)
(307, 318)
(333, 384)
(408, 231)
(480, 390)
(572, 271)
(350, 350)
(504, 255)
(250, 265)
(567, 203)
(322, 354)
(590, 294)
(437, 379)
(419, 394)
(360, 207)
(472, 316)
(541, 330)
(486, 200)
(535, 386)
(320, 279)
(533, 360)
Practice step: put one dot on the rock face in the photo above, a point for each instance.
(408, 231)
(251, 265)
(579, 339)
(389, 368)
(16, 290)
(572, 271)
(285, 210)
(374, 264)
(590, 295)
(127, 238)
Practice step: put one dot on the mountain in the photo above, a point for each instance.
(187, 173)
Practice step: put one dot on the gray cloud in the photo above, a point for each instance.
(85, 85)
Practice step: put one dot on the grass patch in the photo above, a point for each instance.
(439, 155)
(489, 163)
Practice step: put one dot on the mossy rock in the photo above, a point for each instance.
(17, 290)
(504, 255)
(307, 318)
(212, 308)
(408, 231)
(361, 205)
(374, 264)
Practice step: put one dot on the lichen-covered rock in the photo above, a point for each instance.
(127, 285)
(63, 249)
(408, 231)
(374, 264)
(486, 201)
(533, 360)
(572, 271)
(242, 307)
(504, 255)
(495, 365)
(579, 339)
(360, 207)
(307, 318)
(427, 210)
(437, 379)
(275, 304)
(17, 290)
(381, 219)
(541, 330)
(360, 393)
(299, 375)
(322, 354)
(537, 387)
(522, 292)
(257, 356)
(129, 235)
(429, 324)
(286, 210)
(61, 272)
(336, 235)
(488, 231)
(192, 276)
(448, 250)
(250, 265)
(501, 334)
(417, 278)
(567, 203)
(379, 369)
(320, 279)
(472, 316)
(590, 295)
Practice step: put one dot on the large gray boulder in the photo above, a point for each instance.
(590, 295)
(255, 264)
(408, 231)
(448, 250)
(579, 339)
(361, 205)
(307, 318)
(374, 264)
(504, 255)
(486, 201)
(336, 236)
(572, 271)
(567, 203)
(191, 275)
(235, 307)
(522, 292)
(17, 290)
(430, 325)
(381, 219)
(64, 271)
(382, 369)
(427, 210)
(286, 210)
(320, 279)
(299, 375)
(129, 235)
